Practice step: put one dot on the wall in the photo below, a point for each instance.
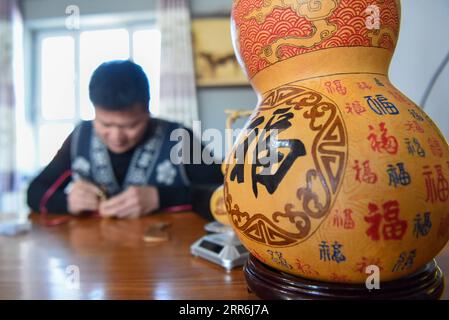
(213, 101)
(44, 9)
(423, 43)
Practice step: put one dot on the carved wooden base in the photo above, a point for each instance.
(269, 283)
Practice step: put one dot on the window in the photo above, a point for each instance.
(64, 63)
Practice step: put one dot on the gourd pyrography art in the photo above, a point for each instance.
(359, 175)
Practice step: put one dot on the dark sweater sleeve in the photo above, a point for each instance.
(57, 203)
(200, 175)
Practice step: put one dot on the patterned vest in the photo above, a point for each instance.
(150, 163)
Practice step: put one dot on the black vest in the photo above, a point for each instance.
(150, 163)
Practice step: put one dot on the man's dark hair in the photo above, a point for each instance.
(118, 85)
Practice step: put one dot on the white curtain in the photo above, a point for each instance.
(7, 103)
(178, 100)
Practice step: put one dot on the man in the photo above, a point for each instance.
(123, 154)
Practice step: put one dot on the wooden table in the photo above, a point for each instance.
(115, 263)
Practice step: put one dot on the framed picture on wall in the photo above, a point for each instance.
(215, 61)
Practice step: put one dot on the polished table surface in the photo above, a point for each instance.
(115, 263)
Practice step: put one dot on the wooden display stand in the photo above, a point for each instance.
(269, 283)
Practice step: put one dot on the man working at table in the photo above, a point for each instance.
(123, 153)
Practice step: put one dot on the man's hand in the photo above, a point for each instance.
(132, 203)
(83, 196)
